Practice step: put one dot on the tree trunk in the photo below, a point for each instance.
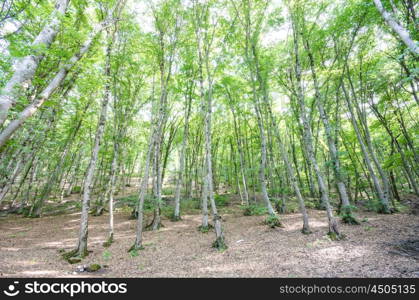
(307, 139)
(397, 28)
(25, 68)
(58, 79)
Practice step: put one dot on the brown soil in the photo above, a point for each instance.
(30, 248)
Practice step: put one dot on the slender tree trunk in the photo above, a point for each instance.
(308, 143)
(383, 200)
(57, 80)
(88, 183)
(347, 211)
(25, 68)
(397, 28)
(176, 215)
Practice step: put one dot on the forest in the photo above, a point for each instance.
(209, 138)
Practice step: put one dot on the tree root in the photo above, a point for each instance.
(74, 256)
(99, 210)
(350, 219)
(383, 209)
(306, 231)
(205, 229)
(133, 251)
(219, 244)
(108, 242)
(335, 236)
(175, 218)
(347, 216)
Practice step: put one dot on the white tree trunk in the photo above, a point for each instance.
(308, 139)
(88, 183)
(377, 186)
(24, 69)
(397, 28)
(52, 86)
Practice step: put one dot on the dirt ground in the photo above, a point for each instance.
(30, 248)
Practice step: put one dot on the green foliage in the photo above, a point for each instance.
(205, 229)
(93, 268)
(221, 200)
(273, 221)
(133, 253)
(107, 255)
(254, 210)
(220, 244)
(76, 190)
(376, 206)
(347, 216)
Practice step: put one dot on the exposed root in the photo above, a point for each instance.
(335, 236)
(134, 214)
(134, 249)
(74, 256)
(99, 210)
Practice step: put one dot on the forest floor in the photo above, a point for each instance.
(30, 247)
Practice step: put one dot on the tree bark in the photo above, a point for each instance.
(25, 68)
(397, 28)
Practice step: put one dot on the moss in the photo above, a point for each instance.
(219, 244)
(69, 254)
(74, 256)
(108, 242)
(205, 229)
(133, 251)
(306, 231)
(175, 218)
(273, 221)
(383, 209)
(347, 216)
(221, 200)
(254, 210)
(74, 260)
(350, 219)
(335, 237)
(93, 268)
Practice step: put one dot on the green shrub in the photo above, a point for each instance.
(310, 204)
(221, 200)
(205, 229)
(347, 216)
(133, 253)
(376, 206)
(76, 190)
(254, 210)
(273, 221)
